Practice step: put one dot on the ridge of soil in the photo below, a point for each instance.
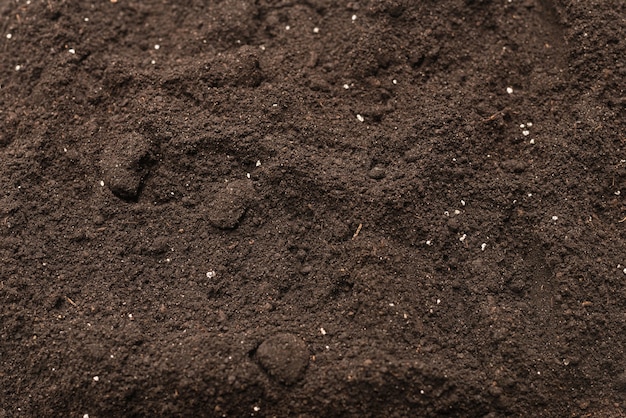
(315, 208)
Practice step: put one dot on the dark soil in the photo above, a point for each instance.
(312, 208)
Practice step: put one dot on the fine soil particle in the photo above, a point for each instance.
(312, 208)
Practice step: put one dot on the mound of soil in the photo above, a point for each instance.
(312, 208)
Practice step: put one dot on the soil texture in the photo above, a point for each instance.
(316, 208)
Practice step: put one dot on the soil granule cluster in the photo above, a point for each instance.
(376, 208)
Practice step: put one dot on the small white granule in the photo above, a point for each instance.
(211, 274)
(9, 36)
(101, 183)
(256, 409)
(438, 301)
(316, 30)
(531, 142)
(346, 87)
(394, 81)
(462, 202)
(130, 316)
(429, 242)
(287, 27)
(323, 331)
(71, 51)
(86, 19)
(258, 163)
(483, 246)
(462, 237)
(96, 378)
(18, 67)
(522, 126)
(624, 271)
(157, 46)
(353, 18)
(152, 62)
(360, 118)
(526, 132)
(86, 416)
(529, 124)
(509, 90)
(555, 218)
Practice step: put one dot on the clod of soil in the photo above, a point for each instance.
(284, 357)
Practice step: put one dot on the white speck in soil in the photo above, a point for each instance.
(531, 142)
(526, 132)
(211, 274)
(509, 90)
(483, 246)
(360, 118)
(96, 378)
(258, 163)
(529, 124)
(323, 331)
(394, 81)
(71, 51)
(18, 67)
(157, 46)
(316, 30)
(353, 18)
(9, 36)
(346, 87)
(462, 202)
(555, 218)
(101, 183)
(256, 409)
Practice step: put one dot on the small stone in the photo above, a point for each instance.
(377, 173)
(284, 357)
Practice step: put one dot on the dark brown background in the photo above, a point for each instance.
(456, 265)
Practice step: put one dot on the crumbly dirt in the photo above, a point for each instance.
(417, 206)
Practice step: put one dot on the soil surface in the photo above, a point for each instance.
(312, 208)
